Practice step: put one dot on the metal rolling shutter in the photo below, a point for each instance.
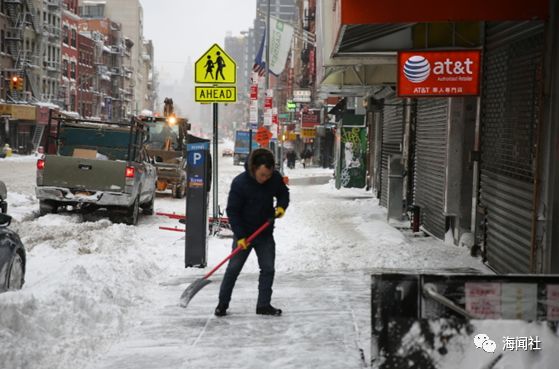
(392, 131)
(430, 162)
(511, 109)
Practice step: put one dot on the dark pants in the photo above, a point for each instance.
(266, 252)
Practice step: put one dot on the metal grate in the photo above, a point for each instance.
(511, 109)
(430, 162)
(392, 134)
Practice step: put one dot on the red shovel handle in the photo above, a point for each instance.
(239, 248)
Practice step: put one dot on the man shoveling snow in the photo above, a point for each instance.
(251, 204)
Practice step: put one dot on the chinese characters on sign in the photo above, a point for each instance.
(483, 300)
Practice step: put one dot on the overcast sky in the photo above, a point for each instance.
(187, 28)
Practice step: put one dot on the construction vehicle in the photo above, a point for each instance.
(166, 145)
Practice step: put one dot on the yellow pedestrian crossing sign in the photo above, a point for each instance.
(215, 67)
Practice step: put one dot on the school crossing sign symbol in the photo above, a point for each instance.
(215, 69)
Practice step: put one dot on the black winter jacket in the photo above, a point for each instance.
(251, 204)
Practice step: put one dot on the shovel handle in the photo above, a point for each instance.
(239, 248)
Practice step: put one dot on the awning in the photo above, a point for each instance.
(407, 11)
(360, 38)
(350, 72)
(19, 111)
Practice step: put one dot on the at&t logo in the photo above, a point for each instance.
(417, 69)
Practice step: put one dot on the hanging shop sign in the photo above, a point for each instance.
(310, 118)
(302, 96)
(439, 73)
(290, 105)
(308, 133)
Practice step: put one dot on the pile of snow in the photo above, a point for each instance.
(20, 158)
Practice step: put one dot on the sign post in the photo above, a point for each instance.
(217, 71)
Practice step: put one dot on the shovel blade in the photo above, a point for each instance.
(192, 290)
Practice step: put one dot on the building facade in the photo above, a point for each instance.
(68, 92)
(466, 169)
(138, 62)
(86, 76)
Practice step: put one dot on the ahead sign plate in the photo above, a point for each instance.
(215, 94)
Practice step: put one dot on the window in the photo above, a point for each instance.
(65, 35)
(74, 38)
(73, 70)
(65, 68)
(2, 42)
(92, 11)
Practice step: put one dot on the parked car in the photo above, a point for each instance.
(98, 165)
(227, 152)
(12, 252)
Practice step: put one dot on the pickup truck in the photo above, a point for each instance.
(97, 165)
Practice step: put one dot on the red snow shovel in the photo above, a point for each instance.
(198, 284)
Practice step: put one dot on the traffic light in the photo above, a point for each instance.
(19, 85)
(13, 82)
(16, 83)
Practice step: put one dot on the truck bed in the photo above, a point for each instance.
(87, 174)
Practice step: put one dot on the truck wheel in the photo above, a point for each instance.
(147, 209)
(131, 218)
(47, 207)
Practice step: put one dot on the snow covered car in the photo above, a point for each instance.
(227, 152)
(12, 252)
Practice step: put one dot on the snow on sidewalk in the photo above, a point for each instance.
(326, 244)
(104, 295)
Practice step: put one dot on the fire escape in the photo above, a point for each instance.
(21, 15)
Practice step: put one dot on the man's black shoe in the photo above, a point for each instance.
(268, 310)
(221, 309)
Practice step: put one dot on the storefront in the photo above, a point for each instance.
(19, 126)
(511, 119)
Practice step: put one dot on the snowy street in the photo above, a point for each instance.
(103, 295)
(413, 222)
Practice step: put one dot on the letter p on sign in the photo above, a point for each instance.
(197, 158)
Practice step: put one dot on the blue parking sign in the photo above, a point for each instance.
(195, 158)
